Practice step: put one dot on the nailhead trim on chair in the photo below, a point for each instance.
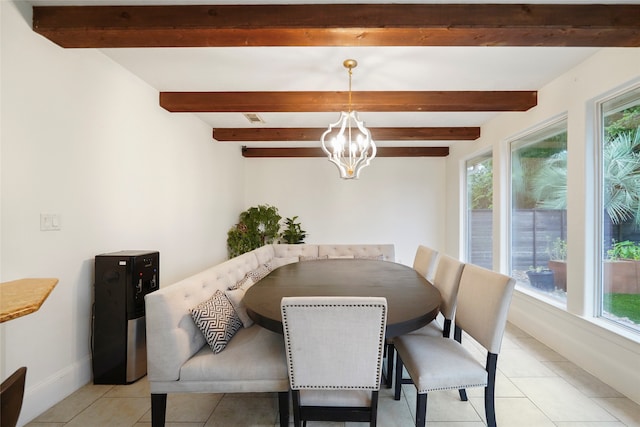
(380, 343)
(451, 388)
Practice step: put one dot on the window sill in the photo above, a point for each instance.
(603, 328)
(611, 326)
(548, 299)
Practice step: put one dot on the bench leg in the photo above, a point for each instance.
(158, 409)
(283, 405)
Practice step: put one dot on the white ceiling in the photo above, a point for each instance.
(320, 69)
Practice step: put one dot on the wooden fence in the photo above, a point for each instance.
(536, 231)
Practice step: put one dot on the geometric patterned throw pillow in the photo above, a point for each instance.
(217, 320)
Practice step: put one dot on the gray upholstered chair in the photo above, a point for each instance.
(447, 281)
(334, 349)
(424, 263)
(437, 363)
(11, 396)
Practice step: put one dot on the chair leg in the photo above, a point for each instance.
(457, 335)
(446, 328)
(296, 408)
(489, 391)
(158, 409)
(374, 409)
(390, 356)
(283, 405)
(421, 410)
(398, 388)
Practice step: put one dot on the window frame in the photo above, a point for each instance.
(597, 287)
(511, 144)
(478, 157)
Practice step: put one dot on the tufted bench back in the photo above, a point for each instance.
(358, 251)
(168, 319)
(289, 250)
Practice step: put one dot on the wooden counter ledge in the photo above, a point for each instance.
(21, 297)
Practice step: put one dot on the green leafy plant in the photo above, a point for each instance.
(550, 183)
(258, 225)
(624, 250)
(558, 251)
(621, 178)
(481, 185)
(531, 160)
(293, 232)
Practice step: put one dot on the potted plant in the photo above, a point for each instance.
(622, 270)
(293, 233)
(257, 226)
(541, 278)
(558, 263)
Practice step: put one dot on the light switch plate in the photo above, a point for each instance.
(50, 222)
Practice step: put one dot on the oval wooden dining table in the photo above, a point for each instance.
(412, 302)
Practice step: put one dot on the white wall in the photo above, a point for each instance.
(573, 333)
(394, 201)
(83, 138)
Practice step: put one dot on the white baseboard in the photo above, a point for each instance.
(609, 356)
(42, 396)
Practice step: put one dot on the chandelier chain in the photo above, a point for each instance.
(350, 74)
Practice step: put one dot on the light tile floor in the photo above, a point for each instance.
(536, 387)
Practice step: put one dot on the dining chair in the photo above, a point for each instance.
(334, 349)
(11, 396)
(424, 263)
(438, 363)
(447, 281)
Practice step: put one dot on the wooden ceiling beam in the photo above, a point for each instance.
(317, 152)
(597, 25)
(313, 101)
(378, 134)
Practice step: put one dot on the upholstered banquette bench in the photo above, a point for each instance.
(200, 340)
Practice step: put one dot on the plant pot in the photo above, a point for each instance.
(621, 277)
(559, 269)
(542, 280)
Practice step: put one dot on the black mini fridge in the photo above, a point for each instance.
(119, 346)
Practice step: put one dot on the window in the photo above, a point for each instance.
(619, 145)
(538, 210)
(479, 233)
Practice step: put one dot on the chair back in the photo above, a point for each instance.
(334, 343)
(483, 304)
(425, 261)
(11, 396)
(447, 281)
